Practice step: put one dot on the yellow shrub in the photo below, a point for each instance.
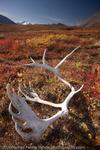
(46, 39)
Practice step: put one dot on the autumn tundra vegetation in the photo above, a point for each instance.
(18, 44)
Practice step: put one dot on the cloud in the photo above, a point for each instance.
(9, 15)
(54, 19)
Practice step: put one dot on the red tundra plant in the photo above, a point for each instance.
(7, 72)
(9, 44)
(91, 82)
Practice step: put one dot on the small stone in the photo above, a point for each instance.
(84, 126)
(89, 136)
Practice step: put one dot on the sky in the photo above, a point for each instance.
(69, 12)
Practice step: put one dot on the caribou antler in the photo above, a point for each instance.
(58, 74)
(31, 95)
(44, 65)
(28, 125)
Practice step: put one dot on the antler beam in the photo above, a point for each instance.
(55, 69)
(28, 125)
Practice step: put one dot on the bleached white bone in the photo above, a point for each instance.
(35, 98)
(28, 125)
(43, 59)
(60, 63)
(55, 69)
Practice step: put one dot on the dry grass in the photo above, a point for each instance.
(81, 127)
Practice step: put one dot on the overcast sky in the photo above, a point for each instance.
(70, 12)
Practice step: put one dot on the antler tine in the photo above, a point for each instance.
(32, 59)
(70, 86)
(60, 63)
(16, 117)
(11, 112)
(62, 105)
(30, 84)
(32, 92)
(43, 58)
(67, 83)
(56, 116)
(69, 97)
(38, 99)
(79, 89)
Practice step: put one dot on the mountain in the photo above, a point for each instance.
(93, 21)
(5, 20)
(25, 23)
(58, 25)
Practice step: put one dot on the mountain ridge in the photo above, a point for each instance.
(5, 20)
(93, 21)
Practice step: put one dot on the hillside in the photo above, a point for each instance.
(93, 21)
(5, 20)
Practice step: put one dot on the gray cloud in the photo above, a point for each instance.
(52, 18)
